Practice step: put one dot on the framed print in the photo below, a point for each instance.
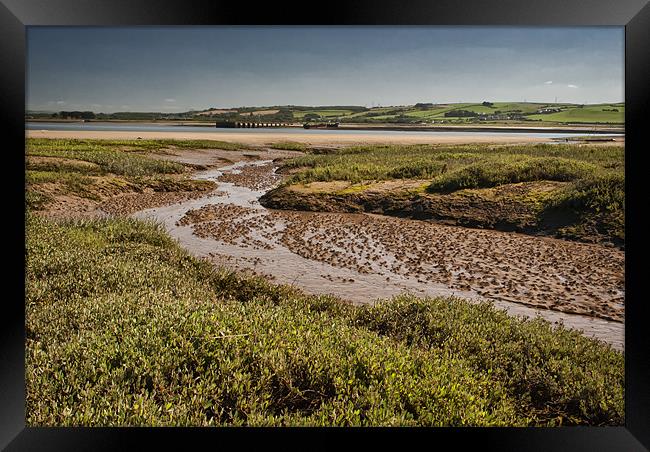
(406, 218)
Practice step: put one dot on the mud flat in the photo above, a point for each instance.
(364, 257)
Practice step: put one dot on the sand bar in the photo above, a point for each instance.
(273, 137)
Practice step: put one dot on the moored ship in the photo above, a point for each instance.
(321, 125)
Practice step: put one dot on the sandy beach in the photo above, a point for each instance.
(255, 138)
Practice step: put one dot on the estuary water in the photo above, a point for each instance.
(153, 127)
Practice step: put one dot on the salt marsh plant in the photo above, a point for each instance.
(123, 327)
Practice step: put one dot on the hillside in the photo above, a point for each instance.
(514, 113)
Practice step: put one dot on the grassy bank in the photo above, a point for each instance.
(290, 146)
(381, 162)
(96, 170)
(586, 202)
(125, 328)
(160, 145)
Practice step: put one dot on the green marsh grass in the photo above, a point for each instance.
(76, 183)
(495, 172)
(290, 145)
(77, 167)
(123, 327)
(121, 156)
(110, 160)
(594, 193)
(382, 162)
(158, 145)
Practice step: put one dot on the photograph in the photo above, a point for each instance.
(325, 226)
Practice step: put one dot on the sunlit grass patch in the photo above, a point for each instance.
(123, 327)
(36, 200)
(381, 162)
(595, 207)
(73, 183)
(491, 173)
(113, 161)
(116, 156)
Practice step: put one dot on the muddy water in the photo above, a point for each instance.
(340, 253)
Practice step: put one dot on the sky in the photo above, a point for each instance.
(176, 69)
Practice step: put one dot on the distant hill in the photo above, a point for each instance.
(530, 113)
(430, 113)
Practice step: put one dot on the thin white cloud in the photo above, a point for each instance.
(170, 100)
(60, 102)
(572, 86)
(549, 82)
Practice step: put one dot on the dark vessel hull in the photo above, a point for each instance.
(329, 125)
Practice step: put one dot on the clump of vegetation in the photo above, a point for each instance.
(123, 327)
(198, 144)
(382, 162)
(599, 194)
(588, 206)
(108, 159)
(72, 182)
(540, 373)
(362, 163)
(96, 169)
(155, 146)
(167, 184)
(599, 203)
(35, 200)
(492, 173)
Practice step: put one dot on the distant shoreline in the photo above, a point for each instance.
(587, 129)
(474, 128)
(265, 139)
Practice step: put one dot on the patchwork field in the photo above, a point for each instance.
(494, 113)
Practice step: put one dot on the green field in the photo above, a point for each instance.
(587, 114)
(590, 114)
(520, 113)
(124, 328)
(570, 113)
(323, 113)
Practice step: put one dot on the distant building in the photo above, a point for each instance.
(543, 111)
(500, 116)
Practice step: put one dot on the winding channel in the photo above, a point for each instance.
(251, 237)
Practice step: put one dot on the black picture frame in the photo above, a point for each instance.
(16, 15)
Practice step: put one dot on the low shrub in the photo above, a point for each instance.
(123, 327)
(494, 173)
